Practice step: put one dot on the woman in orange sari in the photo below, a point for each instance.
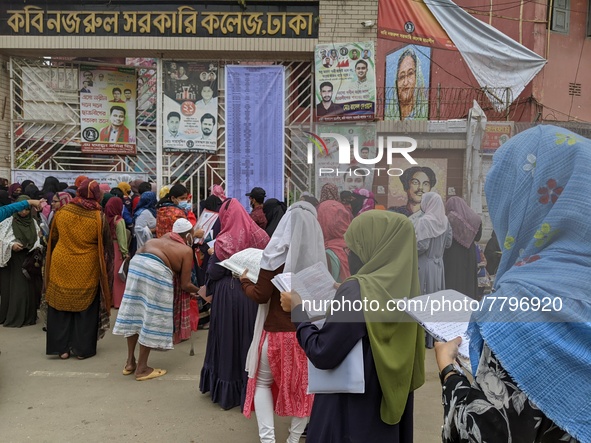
(78, 292)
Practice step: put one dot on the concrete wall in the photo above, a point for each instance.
(340, 20)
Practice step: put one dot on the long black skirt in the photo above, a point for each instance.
(73, 332)
(19, 296)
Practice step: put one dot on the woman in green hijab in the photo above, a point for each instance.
(384, 267)
(19, 295)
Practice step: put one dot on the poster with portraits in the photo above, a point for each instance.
(345, 88)
(107, 110)
(354, 175)
(406, 191)
(146, 89)
(190, 118)
(408, 76)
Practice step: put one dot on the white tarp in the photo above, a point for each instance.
(496, 60)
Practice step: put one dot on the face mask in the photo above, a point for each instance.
(185, 204)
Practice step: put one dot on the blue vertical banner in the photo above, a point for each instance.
(255, 130)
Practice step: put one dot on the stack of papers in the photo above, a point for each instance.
(247, 259)
(314, 285)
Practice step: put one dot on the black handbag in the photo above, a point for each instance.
(33, 264)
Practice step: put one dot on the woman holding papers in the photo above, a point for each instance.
(531, 357)
(461, 266)
(275, 358)
(393, 345)
(232, 314)
(334, 220)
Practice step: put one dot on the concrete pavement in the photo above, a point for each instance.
(44, 399)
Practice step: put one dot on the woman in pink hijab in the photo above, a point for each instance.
(218, 191)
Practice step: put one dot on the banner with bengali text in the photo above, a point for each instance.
(107, 110)
(190, 109)
(345, 82)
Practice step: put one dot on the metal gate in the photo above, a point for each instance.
(45, 127)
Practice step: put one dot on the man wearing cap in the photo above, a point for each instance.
(257, 198)
(146, 312)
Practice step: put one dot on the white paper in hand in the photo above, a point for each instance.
(249, 258)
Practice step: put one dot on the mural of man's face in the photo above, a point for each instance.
(406, 80)
(418, 185)
(364, 153)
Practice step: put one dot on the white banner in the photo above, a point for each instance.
(112, 178)
(495, 59)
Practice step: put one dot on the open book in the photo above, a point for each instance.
(314, 284)
(249, 258)
(444, 315)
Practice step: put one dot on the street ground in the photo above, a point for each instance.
(44, 399)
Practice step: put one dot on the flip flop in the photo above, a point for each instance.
(127, 372)
(154, 374)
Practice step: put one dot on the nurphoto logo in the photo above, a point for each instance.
(394, 145)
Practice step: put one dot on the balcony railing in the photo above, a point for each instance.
(438, 103)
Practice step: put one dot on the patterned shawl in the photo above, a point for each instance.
(329, 192)
(464, 221)
(218, 191)
(89, 195)
(334, 220)
(536, 192)
(238, 231)
(369, 201)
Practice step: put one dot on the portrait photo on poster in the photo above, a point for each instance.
(345, 88)
(406, 191)
(408, 75)
(190, 106)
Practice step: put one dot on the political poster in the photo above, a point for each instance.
(345, 88)
(107, 110)
(354, 175)
(190, 106)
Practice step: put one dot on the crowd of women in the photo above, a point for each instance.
(261, 341)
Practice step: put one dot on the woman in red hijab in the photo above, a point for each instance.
(113, 211)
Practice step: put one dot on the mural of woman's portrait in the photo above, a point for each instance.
(407, 83)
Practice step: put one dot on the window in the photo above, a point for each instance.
(589, 19)
(560, 17)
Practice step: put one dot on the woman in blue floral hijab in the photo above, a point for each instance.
(530, 343)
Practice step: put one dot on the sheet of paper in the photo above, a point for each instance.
(445, 315)
(247, 259)
(211, 243)
(314, 284)
(206, 221)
